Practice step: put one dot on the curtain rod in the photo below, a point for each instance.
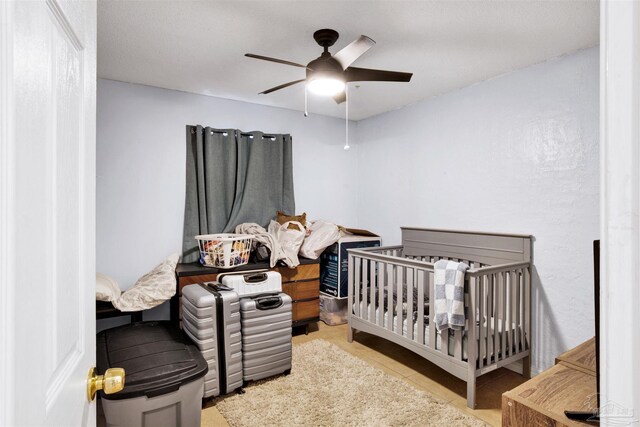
(272, 137)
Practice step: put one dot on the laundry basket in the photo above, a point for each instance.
(224, 250)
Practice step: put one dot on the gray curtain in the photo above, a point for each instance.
(234, 177)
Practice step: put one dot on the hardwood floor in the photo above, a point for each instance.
(402, 363)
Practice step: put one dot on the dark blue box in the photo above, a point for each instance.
(334, 264)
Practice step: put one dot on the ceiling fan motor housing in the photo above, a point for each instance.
(324, 66)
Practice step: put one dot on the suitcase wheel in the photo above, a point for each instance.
(287, 372)
(240, 390)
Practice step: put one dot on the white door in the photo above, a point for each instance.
(47, 211)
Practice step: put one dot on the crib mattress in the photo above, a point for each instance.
(451, 340)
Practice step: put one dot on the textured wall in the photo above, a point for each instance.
(518, 153)
(141, 168)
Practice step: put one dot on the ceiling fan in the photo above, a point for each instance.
(328, 74)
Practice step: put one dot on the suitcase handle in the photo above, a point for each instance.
(268, 303)
(255, 277)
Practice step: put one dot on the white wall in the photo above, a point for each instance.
(141, 168)
(518, 153)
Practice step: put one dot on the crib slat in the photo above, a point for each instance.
(372, 293)
(391, 276)
(517, 316)
(420, 282)
(356, 286)
(400, 297)
(507, 315)
(381, 284)
(410, 283)
(495, 338)
(482, 301)
(496, 316)
(490, 318)
(512, 310)
(503, 313)
(522, 309)
(432, 316)
(350, 291)
(487, 323)
(365, 273)
(472, 341)
(527, 307)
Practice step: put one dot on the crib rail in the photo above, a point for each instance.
(396, 293)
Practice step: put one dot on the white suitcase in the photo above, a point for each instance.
(250, 284)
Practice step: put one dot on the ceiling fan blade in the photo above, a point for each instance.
(279, 61)
(354, 74)
(353, 51)
(341, 97)
(282, 86)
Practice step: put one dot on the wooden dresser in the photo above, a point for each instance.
(569, 385)
(302, 284)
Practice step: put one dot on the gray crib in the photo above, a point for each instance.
(391, 290)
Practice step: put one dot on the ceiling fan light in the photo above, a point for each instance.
(327, 86)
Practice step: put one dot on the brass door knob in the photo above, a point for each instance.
(111, 382)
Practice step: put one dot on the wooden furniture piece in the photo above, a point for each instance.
(302, 284)
(582, 357)
(570, 384)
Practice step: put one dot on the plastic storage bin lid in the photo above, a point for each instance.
(157, 358)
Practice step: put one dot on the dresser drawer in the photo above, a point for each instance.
(302, 290)
(306, 310)
(301, 272)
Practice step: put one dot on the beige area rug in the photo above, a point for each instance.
(330, 387)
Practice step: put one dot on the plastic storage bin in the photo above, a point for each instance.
(333, 311)
(164, 375)
(224, 250)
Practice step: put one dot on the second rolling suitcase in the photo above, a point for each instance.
(211, 318)
(266, 335)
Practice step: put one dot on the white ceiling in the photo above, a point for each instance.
(198, 46)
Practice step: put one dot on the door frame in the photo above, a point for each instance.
(7, 216)
(620, 206)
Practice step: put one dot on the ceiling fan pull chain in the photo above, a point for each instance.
(306, 111)
(346, 95)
